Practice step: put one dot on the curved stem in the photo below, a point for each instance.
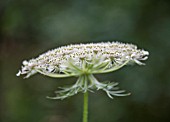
(111, 69)
(55, 75)
(85, 108)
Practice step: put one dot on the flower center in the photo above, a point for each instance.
(86, 71)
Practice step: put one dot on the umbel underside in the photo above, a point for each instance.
(86, 80)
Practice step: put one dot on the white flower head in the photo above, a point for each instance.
(84, 60)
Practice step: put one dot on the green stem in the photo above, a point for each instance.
(85, 108)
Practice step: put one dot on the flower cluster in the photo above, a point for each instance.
(84, 60)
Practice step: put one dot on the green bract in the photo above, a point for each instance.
(82, 61)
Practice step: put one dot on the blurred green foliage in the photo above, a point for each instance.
(30, 27)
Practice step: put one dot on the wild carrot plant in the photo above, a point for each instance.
(83, 61)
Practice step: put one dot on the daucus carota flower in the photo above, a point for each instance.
(82, 61)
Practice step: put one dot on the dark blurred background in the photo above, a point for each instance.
(31, 27)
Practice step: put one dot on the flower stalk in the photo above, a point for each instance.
(85, 107)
